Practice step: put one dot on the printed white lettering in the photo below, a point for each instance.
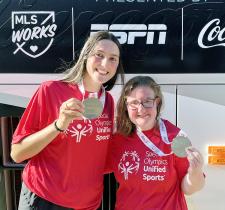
(211, 32)
(104, 116)
(149, 161)
(127, 33)
(19, 19)
(155, 169)
(36, 32)
(33, 19)
(103, 130)
(103, 123)
(23, 19)
(30, 26)
(153, 178)
(150, 154)
(100, 138)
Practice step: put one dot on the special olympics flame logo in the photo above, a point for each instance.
(80, 130)
(129, 163)
(33, 31)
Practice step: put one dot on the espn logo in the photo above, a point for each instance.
(127, 33)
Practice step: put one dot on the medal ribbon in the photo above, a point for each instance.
(148, 143)
(94, 95)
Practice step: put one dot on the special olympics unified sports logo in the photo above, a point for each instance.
(129, 163)
(33, 31)
(78, 131)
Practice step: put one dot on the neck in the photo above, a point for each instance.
(148, 126)
(90, 86)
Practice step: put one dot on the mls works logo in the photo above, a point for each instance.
(33, 31)
(129, 163)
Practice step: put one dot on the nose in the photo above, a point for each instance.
(104, 63)
(140, 107)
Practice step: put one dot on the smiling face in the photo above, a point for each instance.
(101, 65)
(143, 117)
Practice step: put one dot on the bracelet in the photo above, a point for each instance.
(57, 128)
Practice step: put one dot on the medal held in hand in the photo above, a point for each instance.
(92, 108)
(179, 144)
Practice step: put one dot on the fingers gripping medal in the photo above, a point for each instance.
(179, 144)
(92, 108)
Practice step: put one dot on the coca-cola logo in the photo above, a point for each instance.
(212, 35)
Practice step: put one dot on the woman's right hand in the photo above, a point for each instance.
(31, 145)
(70, 110)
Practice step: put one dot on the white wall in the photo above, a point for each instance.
(201, 113)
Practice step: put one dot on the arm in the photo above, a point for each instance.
(194, 180)
(33, 144)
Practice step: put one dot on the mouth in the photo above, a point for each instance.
(143, 116)
(102, 72)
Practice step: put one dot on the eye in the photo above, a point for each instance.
(148, 101)
(113, 59)
(99, 55)
(134, 102)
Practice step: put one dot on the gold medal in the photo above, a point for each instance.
(179, 144)
(92, 108)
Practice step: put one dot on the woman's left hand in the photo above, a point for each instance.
(195, 160)
(194, 180)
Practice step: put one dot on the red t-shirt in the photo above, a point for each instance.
(69, 171)
(146, 180)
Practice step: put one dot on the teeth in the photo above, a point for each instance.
(101, 72)
(143, 116)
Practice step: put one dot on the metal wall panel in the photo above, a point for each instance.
(201, 113)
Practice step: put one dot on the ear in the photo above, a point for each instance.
(157, 101)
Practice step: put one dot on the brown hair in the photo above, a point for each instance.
(76, 73)
(123, 122)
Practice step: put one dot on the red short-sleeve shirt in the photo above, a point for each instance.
(69, 171)
(146, 180)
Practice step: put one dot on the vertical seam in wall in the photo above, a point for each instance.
(176, 105)
(72, 16)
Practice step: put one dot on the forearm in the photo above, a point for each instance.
(33, 144)
(193, 182)
(30, 146)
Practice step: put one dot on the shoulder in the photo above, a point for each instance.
(172, 129)
(109, 96)
(53, 84)
(170, 125)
